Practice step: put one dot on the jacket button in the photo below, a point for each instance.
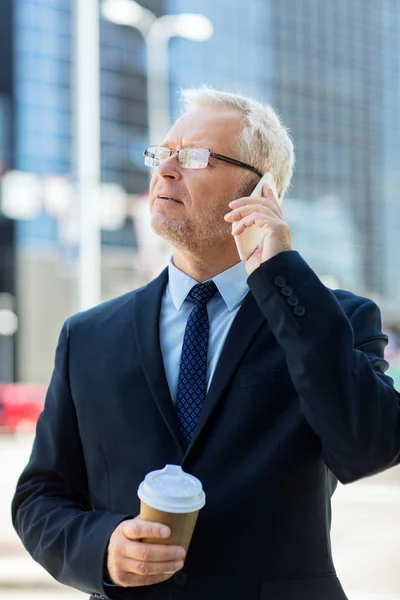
(280, 281)
(180, 578)
(293, 300)
(299, 310)
(287, 290)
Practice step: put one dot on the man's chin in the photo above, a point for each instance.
(186, 236)
(174, 232)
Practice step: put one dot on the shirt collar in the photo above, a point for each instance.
(231, 284)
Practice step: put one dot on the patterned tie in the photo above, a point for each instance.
(192, 381)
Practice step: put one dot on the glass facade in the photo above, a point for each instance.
(43, 126)
(239, 56)
(6, 84)
(43, 73)
(44, 47)
(328, 88)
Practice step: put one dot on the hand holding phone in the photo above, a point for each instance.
(252, 236)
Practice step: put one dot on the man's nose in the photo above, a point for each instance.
(170, 168)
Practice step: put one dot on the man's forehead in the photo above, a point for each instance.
(205, 128)
(188, 142)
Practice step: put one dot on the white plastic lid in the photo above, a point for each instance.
(172, 490)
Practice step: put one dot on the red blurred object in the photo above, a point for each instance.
(20, 406)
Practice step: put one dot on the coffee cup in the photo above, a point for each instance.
(174, 498)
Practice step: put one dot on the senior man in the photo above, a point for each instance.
(289, 391)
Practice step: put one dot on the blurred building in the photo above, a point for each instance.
(329, 240)
(7, 226)
(39, 255)
(330, 68)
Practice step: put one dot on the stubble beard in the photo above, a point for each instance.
(194, 236)
(208, 232)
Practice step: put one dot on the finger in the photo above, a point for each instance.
(136, 529)
(145, 568)
(257, 201)
(258, 219)
(153, 552)
(267, 194)
(247, 209)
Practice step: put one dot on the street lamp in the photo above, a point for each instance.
(157, 33)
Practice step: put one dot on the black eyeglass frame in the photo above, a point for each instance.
(227, 159)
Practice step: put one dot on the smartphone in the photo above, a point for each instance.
(251, 237)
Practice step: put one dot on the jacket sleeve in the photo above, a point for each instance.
(51, 509)
(336, 362)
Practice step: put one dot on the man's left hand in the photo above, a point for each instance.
(263, 212)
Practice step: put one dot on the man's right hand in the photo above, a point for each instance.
(132, 563)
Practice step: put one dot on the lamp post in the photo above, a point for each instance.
(157, 33)
(87, 149)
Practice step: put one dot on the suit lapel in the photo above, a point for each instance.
(242, 332)
(147, 325)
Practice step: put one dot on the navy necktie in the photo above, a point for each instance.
(192, 380)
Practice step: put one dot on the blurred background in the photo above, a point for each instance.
(87, 85)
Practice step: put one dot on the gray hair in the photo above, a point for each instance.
(264, 143)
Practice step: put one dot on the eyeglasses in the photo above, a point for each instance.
(190, 158)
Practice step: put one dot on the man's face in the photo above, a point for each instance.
(192, 218)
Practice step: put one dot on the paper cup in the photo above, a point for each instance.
(174, 498)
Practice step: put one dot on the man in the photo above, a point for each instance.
(287, 391)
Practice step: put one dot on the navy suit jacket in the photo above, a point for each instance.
(299, 399)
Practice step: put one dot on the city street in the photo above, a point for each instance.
(366, 537)
(187, 185)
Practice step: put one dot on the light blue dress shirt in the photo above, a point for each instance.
(175, 309)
